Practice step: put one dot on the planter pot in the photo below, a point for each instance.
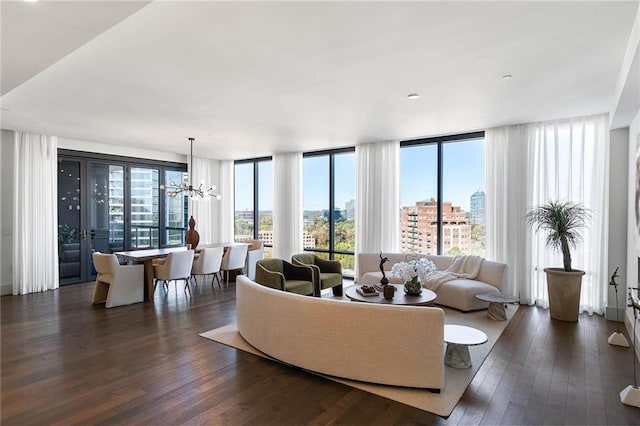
(564, 293)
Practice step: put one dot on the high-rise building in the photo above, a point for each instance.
(350, 207)
(477, 213)
(419, 228)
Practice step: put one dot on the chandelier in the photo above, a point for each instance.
(187, 188)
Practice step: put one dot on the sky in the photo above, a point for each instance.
(463, 174)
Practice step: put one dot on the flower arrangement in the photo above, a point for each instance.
(412, 269)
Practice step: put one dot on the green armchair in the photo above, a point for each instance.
(326, 273)
(282, 275)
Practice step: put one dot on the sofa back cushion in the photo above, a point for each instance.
(492, 273)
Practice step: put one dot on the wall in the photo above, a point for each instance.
(619, 150)
(6, 211)
(633, 254)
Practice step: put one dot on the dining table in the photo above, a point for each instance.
(146, 257)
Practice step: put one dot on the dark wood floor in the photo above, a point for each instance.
(65, 361)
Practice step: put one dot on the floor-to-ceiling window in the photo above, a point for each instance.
(254, 202)
(329, 206)
(442, 195)
(176, 210)
(145, 210)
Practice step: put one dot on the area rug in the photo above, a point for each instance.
(456, 380)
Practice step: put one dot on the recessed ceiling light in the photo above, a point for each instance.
(507, 77)
(413, 96)
(31, 1)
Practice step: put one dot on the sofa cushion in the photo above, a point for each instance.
(461, 294)
(300, 287)
(375, 277)
(329, 279)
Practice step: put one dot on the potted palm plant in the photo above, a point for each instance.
(563, 222)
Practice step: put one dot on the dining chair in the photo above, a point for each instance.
(255, 252)
(176, 266)
(233, 259)
(117, 284)
(208, 262)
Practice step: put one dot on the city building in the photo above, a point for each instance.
(477, 208)
(350, 208)
(267, 238)
(419, 225)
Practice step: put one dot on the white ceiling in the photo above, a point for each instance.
(266, 77)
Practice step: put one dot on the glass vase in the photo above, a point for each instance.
(413, 287)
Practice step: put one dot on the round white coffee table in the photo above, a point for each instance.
(458, 339)
(496, 304)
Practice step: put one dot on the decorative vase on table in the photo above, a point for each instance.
(413, 287)
(413, 272)
(192, 237)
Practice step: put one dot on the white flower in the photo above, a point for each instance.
(420, 268)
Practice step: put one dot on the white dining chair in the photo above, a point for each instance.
(116, 284)
(255, 252)
(208, 262)
(234, 259)
(176, 266)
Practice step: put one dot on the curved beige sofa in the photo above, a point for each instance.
(458, 294)
(386, 344)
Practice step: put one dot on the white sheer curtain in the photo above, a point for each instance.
(570, 162)
(378, 197)
(506, 205)
(287, 205)
(205, 211)
(35, 213)
(227, 191)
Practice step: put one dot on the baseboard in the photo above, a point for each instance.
(610, 314)
(6, 289)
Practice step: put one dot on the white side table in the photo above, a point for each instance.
(458, 339)
(496, 304)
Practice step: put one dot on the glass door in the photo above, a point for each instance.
(70, 236)
(90, 215)
(105, 210)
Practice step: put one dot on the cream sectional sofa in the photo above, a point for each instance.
(368, 342)
(458, 294)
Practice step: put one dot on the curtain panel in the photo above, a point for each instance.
(35, 214)
(378, 197)
(205, 211)
(506, 204)
(287, 205)
(528, 165)
(226, 218)
(570, 162)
